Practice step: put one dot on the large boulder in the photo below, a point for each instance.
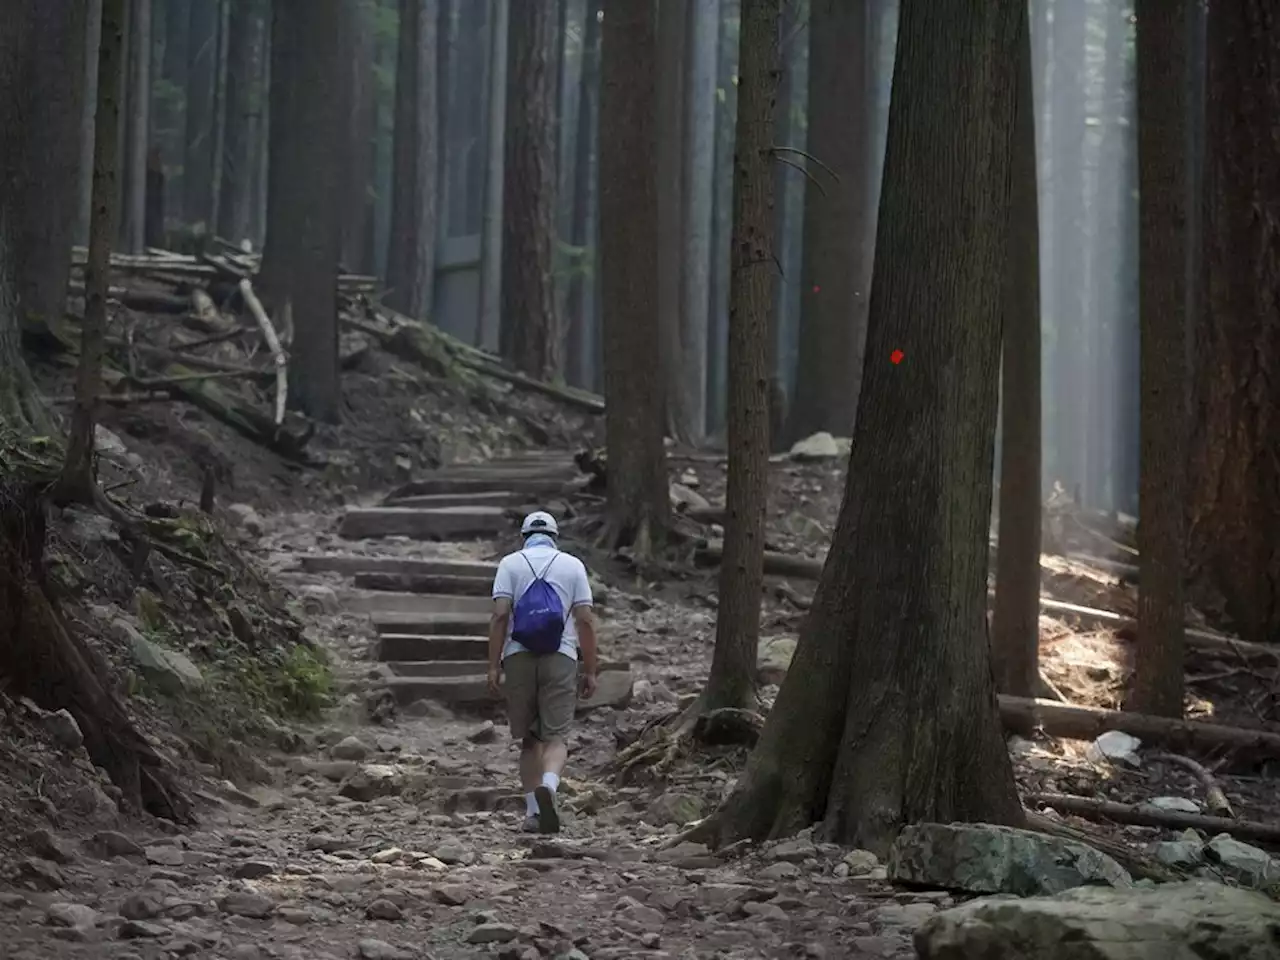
(820, 446)
(1195, 921)
(774, 659)
(985, 858)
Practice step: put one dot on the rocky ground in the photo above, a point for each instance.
(388, 833)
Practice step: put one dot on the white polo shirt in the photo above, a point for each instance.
(566, 575)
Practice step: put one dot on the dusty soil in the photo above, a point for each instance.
(283, 865)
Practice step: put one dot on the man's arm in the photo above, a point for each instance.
(499, 617)
(584, 619)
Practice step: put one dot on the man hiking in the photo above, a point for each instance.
(541, 624)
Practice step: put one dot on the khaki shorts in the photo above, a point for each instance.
(542, 694)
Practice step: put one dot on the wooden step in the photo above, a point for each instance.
(465, 668)
(473, 692)
(431, 624)
(489, 498)
(441, 523)
(353, 564)
(376, 603)
(394, 647)
(481, 586)
(532, 485)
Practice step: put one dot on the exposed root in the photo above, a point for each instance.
(663, 742)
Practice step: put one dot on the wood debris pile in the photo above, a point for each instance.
(193, 328)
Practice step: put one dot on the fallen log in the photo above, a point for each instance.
(777, 564)
(1139, 865)
(1087, 723)
(1141, 815)
(254, 306)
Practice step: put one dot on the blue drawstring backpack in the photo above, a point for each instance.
(537, 622)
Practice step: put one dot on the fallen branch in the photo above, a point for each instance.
(1139, 865)
(254, 306)
(1215, 799)
(779, 564)
(1142, 815)
(1075, 722)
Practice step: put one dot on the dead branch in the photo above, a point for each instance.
(254, 306)
(1215, 799)
(1139, 865)
(1142, 815)
(1075, 722)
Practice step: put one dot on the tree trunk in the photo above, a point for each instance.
(1235, 507)
(137, 101)
(1163, 109)
(721, 215)
(198, 159)
(530, 331)
(304, 236)
(580, 363)
(77, 481)
(638, 499)
(733, 663)
(1015, 623)
(489, 333)
(234, 193)
(681, 401)
(167, 115)
(697, 195)
(836, 274)
(411, 254)
(43, 50)
(888, 713)
(358, 199)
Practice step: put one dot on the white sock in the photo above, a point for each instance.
(530, 805)
(551, 781)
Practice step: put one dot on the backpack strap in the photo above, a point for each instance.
(536, 575)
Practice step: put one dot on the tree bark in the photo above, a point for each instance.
(836, 274)
(888, 713)
(681, 403)
(1015, 624)
(1235, 474)
(752, 277)
(581, 367)
(530, 331)
(198, 159)
(358, 207)
(1163, 193)
(489, 333)
(137, 99)
(304, 236)
(639, 503)
(235, 187)
(43, 57)
(411, 255)
(697, 196)
(77, 482)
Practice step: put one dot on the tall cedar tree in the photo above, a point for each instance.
(751, 283)
(1163, 194)
(77, 481)
(137, 110)
(888, 714)
(307, 141)
(530, 334)
(202, 81)
(40, 87)
(833, 298)
(1015, 622)
(638, 500)
(411, 250)
(1235, 473)
(357, 217)
(43, 46)
(235, 196)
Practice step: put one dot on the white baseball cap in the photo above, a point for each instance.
(539, 522)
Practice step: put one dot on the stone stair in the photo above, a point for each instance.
(432, 613)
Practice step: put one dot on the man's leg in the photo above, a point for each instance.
(557, 701)
(521, 688)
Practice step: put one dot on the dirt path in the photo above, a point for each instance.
(397, 840)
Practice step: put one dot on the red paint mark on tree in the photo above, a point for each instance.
(896, 356)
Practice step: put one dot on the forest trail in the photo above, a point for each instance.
(389, 832)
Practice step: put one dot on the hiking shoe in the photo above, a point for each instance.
(530, 824)
(548, 816)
